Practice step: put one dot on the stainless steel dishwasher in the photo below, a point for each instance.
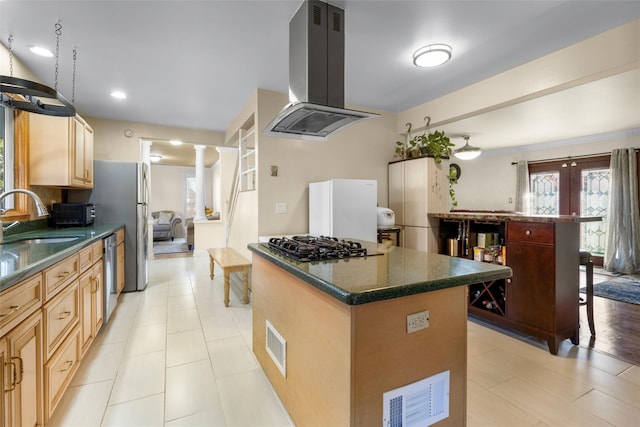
(110, 266)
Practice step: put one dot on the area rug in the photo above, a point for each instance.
(169, 247)
(624, 288)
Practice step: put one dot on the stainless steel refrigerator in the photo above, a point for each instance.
(121, 195)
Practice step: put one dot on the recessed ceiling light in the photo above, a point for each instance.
(118, 94)
(432, 55)
(155, 157)
(42, 51)
(175, 142)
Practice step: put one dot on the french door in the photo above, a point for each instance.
(574, 187)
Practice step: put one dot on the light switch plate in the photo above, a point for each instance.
(281, 208)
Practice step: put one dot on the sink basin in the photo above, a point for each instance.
(41, 240)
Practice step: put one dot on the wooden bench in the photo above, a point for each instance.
(230, 261)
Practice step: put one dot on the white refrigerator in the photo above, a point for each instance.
(344, 208)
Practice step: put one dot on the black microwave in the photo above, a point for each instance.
(72, 214)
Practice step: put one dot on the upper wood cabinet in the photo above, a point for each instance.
(60, 151)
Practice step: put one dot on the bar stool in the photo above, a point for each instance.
(585, 259)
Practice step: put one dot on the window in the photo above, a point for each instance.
(578, 186)
(6, 154)
(189, 195)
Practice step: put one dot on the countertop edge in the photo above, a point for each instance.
(496, 216)
(11, 279)
(357, 298)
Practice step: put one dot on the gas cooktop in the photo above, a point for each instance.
(311, 248)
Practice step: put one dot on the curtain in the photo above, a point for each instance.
(522, 187)
(622, 249)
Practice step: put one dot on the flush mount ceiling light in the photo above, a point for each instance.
(155, 157)
(118, 94)
(467, 152)
(42, 51)
(432, 55)
(175, 142)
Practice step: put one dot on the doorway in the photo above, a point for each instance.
(574, 187)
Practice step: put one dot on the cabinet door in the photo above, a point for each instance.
(415, 193)
(97, 299)
(530, 292)
(120, 268)
(86, 301)
(3, 381)
(88, 156)
(396, 190)
(25, 398)
(78, 173)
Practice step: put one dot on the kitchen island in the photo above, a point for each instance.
(541, 299)
(340, 329)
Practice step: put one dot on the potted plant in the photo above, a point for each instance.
(435, 144)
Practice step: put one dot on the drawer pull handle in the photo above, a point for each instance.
(64, 315)
(508, 280)
(64, 274)
(528, 232)
(12, 309)
(68, 365)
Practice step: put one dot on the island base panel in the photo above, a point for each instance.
(342, 358)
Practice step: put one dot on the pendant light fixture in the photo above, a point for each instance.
(33, 97)
(467, 152)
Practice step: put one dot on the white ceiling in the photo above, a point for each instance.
(194, 64)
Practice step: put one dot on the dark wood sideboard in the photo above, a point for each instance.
(541, 298)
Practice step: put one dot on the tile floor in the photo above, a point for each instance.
(175, 356)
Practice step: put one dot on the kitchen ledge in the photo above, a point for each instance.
(21, 260)
(396, 272)
(502, 216)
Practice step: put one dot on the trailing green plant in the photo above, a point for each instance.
(436, 144)
(453, 179)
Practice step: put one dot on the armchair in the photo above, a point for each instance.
(164, 224)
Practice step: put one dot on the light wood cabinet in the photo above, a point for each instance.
(60, 151)
(24, 370)
(59, 275)
(120, 261)
(59, 371)
(3, 381)
(60, 315)
(417, 187)
(91, 300)
(19, 302)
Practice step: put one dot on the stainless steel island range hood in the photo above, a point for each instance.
(316, 76)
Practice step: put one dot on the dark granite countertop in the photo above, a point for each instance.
(395, 273)
(503, 216)
(21, 260)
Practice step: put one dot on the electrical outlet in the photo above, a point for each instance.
(417, 321)
(510, 200)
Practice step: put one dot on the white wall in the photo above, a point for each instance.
(487, 182)
(359, 151)
(167, 188)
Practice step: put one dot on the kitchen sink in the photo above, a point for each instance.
(43, 240)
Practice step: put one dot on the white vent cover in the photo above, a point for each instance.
(418, 404)
(277, 348)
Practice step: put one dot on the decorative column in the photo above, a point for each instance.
(199, 214)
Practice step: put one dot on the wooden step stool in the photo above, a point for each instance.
(230, 261)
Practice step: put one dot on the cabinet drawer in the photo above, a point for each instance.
(61, 314)
(59, 371)
(96, 251)
(531, 232)
(85, 256)
(19, 301)
(60, 274)
(120, 236)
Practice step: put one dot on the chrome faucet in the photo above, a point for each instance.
(40, 207)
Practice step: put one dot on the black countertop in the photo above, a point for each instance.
(395, 273)
(19, 260)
